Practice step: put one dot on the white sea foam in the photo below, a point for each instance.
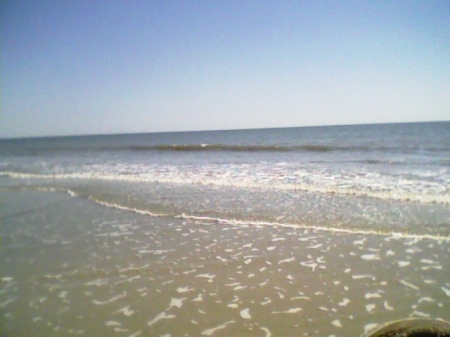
(300, 298)
(359, 242)
(125, 208)
(344, 302)
(133, 178)
(159, 317)
(267, 301)
(446, 291)
(309, 264)
(317, 228)
(289, 311)
(63, 294)
(234, 284)
(390, 253)
(403, 263)
(239, 287)
(136, 334)
(409, 285)
(126, 311)
(267, 331)
(425, 299)
(262, 176)
(155, 252)
(370, 257)
(291, 259)
(278, 239)
(181, 290)
(437, 267)
(370, 307)
(176, 302)
(211, 331)
(369, 327)
(337, 323)
(427, 261)
(209, 277)
(112, 323)
(359, 277)
(245, 314)
(6, 302)
(387, 306)
(371, 295)
(72, 193)
(419, 314)
(112, 299)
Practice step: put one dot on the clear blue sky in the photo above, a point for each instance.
(86, 67)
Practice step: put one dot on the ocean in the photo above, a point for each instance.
(271, 232)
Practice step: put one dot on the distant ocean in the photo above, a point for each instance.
(318, 231)
(376, 178)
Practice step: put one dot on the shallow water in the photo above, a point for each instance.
(71, 266)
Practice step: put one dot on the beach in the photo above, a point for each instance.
(74, 267)
(326, 231)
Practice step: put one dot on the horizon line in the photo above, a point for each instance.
(212, 130)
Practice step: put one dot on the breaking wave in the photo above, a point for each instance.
(391, 191)
(314, 148)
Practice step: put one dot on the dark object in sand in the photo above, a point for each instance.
(413, 327)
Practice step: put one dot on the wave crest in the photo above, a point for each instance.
(319, 148)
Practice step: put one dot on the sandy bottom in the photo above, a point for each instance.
(71, 267)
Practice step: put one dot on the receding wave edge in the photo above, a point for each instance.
(239, 222)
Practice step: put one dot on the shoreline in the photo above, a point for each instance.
(226, 221)
(72, 265)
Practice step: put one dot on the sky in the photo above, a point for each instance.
(98, 67)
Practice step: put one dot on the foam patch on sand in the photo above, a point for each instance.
(159, 317)
(245, 314)
(211, 331)
(112, 299)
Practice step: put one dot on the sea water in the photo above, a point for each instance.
(252, 232)
(386, 178)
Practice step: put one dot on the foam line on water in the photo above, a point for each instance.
(323, 182)
(124, 208)
(395, 235)
(235, 222)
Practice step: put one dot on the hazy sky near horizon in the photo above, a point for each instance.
(87, 67)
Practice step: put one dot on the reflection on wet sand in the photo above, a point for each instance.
(74, 267)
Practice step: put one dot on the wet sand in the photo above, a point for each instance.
(73, 267)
